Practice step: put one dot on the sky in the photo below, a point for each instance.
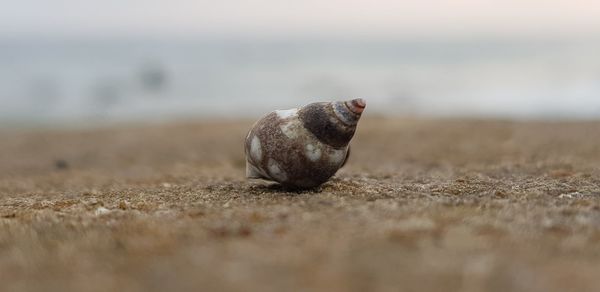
(280, 18)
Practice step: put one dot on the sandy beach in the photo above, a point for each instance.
(422, 205)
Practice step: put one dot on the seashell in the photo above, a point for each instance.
(302, 147)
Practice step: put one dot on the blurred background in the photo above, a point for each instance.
(73, 62)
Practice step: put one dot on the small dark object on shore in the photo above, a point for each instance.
(302, 148)
(61, 164)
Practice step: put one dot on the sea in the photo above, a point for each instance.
(74, 82)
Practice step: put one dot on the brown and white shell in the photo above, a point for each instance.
(302, 147)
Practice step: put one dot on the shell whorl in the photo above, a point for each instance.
(333, 123)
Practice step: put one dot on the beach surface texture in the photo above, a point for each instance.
(421, 205)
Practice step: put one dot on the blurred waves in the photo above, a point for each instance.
(96, 81)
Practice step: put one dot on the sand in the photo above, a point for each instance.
(422, 205)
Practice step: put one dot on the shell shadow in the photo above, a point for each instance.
(275, 188)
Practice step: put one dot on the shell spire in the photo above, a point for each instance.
(302, 147)
(333, 123)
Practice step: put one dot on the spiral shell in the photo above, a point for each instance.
(302, 147)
